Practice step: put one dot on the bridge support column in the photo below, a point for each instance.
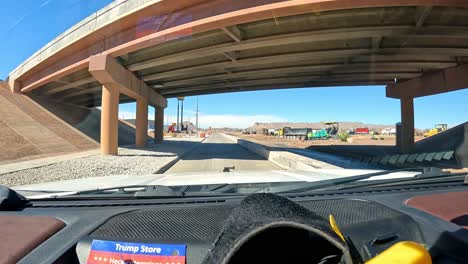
(407, 125)
(141, 136)
(116, 79)
(109, 119)
(158, 125)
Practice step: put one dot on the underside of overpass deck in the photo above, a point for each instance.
(415, 48)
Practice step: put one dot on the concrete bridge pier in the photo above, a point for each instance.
(407, 125)
(109, 119)
(430, 83)
(158, 125)
(141, 135)
(115, 79)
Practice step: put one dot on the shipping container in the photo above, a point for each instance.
(362, 130)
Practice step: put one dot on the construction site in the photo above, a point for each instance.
(377, 145)
(62, 103)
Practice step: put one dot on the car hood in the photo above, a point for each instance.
(178, 179)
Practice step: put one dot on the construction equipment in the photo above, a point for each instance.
(376, 137)
(279, 132)
(317, 134)
(299, 133)
(271, 131)
(333, 128)
(437, 129)
(172, 128)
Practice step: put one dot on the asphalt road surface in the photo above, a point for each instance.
(216, 153)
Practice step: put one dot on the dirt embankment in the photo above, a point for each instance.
(29, 131)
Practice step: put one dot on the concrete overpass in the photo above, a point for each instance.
(147, 51)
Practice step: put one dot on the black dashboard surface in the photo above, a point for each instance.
(363, 216)
(199, 227)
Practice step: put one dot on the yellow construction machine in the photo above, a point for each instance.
(437, 129)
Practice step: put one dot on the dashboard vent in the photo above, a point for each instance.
(391, 189)
(127, 203)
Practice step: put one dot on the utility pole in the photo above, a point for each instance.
(196, 119)
(182, 115)
(180, 99)
(177, 127)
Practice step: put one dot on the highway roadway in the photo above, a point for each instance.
(218, 152)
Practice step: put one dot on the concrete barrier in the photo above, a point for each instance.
(282, 158)
(454, 139)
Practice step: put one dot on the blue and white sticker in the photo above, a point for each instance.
(116, 252)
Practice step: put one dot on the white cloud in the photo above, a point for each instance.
(127, 115)
(210, 120)
(236, 121)
(45, 3)
(206, 120)
(132, 115)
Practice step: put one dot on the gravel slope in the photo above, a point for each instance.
(129, 162)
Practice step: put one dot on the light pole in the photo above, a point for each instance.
(177, 127)
(196, 119)
(182, 114)
(180, 99)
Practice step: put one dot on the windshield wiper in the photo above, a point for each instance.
(157, 191)
(417, 179)
(133, 190)
(303, 187)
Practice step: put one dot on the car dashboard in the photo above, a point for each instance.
(372, 220)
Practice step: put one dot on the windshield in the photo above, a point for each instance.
(162, 98)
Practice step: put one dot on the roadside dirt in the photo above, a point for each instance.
(295, 143)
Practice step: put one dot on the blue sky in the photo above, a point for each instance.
(27, 25)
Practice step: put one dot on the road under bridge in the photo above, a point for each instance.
(148, 51)
(219, 153)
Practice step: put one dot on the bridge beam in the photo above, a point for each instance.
(69, 85)
(15, 86)
(447, 80)
(106, 69)
(115, 79)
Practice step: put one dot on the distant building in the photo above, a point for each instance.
(388, 131)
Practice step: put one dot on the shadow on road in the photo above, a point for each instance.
(357, 150)
(207, 151)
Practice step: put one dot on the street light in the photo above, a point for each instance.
(196, 120)
(181, 100)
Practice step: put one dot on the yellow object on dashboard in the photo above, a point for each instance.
(405, 252)
(335, 227)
